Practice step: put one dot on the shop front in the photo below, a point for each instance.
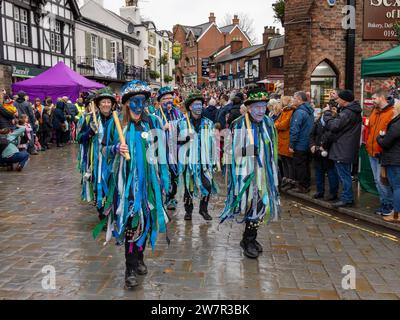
(323, 80)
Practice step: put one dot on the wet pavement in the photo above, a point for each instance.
(43, 223)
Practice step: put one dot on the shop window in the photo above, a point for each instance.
(323, 80)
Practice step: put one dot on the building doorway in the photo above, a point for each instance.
(323, 80)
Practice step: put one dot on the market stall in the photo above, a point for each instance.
(56, 82)
(379, 67)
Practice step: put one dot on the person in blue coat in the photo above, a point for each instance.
(301, 125)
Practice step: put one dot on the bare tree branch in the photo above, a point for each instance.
(246, 23)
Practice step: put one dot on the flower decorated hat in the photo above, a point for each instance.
(256, 96)
(164, 91)
(134, 88)
(193, 96)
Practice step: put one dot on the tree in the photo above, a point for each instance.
(279, 9)
(246, 23)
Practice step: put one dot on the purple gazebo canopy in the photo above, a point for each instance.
(56, 82)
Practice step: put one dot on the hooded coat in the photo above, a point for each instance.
(301, 125)
(346, 128)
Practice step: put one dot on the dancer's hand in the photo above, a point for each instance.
(123, 148)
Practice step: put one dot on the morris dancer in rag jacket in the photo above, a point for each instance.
(169, 115)
(197, 155)
(91, 162)
(134, 206)
(253, 172)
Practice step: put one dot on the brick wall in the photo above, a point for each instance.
(5, 78)
(314, 33)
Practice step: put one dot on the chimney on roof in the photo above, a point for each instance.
(211, 18)
(235, 20)
(269, 33)
(236, 45)
(131, 3)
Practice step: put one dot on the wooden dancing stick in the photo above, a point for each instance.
(163, 114)
(188, 121)
(249, 128)
(120, 134)
(93, 107)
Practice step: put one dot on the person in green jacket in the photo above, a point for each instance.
(11, 154)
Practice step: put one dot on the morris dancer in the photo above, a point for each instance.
(169, 115)
(196, 155)
(134, 204)
(92, 165)
(253, 172)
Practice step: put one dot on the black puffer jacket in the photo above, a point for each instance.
(234, 113)
(320, 137)
(24, 107)
(6, 119)
(346, 127)
(391, 144)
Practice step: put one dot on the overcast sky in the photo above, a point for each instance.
(166, 13)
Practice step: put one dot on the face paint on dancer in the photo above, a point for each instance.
(197, 108)
(167, 102)
(138, 103)
(258, 110)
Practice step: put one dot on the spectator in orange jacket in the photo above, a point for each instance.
(282, 125)
(379, 119)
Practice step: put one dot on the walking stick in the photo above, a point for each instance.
(93, 107)
(249, 129)
(120, 134)
(188, 121)
(163, 114)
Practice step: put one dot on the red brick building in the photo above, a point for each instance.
(318, 48)
(199, 42)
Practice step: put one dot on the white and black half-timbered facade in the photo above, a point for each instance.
(35, 35)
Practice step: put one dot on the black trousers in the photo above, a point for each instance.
(59, 136)
(174, 185)
(132, 258)
(250, 231)
(302, 170)
(287, 167)
(188, 196)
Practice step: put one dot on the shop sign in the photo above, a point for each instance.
(379, 19)
(25, 72)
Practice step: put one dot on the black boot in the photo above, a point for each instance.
(204, 209)
(248, 244)
(188, 208)
(141, 268)
(130, 278)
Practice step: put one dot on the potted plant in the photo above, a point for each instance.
(167, 79)
(154, 74)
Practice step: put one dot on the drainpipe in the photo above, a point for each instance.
(350, 53)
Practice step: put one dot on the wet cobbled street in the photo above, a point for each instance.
(44, 225)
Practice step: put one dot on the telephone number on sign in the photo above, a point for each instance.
(389, 33)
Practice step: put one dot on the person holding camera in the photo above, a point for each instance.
(320, 142)
(346, 128)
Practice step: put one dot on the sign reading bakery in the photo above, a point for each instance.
(379, 18)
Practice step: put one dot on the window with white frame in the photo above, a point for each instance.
(230, 68)
(113, 51)
(94, 41)
(21, 18)
(55, 38)
(238, 67)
